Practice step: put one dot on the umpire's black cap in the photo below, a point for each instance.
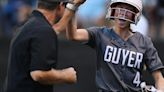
(53, 1)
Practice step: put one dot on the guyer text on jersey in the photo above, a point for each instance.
(129, 58)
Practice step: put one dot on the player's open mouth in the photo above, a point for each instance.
(123, 20)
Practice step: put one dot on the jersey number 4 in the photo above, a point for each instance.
(137, 80)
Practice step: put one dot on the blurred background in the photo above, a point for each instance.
(92, 13)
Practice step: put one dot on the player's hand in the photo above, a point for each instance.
(78, 2)
(160, 85)
(70, 75)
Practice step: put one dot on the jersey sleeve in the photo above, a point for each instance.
(43, 50)
(93, 35)
(153, 61)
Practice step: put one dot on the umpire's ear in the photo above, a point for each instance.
(62, 6)
(60, 9)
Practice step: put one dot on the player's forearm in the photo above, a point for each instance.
(157, 75)
(60, 26)
(71, 29)
(68, 14)
(52, 77)
(76, 34)
(159, 80)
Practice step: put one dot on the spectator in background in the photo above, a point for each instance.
(91, 12)
(150, 7)
(23, 11)
(159, 17)
(0, 20)
(15, 13)
(150, 12)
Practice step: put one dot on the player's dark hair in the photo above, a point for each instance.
(47, 5)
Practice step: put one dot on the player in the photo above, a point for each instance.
(121, 53)
(33, 50)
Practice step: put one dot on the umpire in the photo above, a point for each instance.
(33, 50)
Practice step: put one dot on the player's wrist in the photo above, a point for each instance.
(72, 6)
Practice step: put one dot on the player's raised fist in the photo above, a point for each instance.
(78, 2)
